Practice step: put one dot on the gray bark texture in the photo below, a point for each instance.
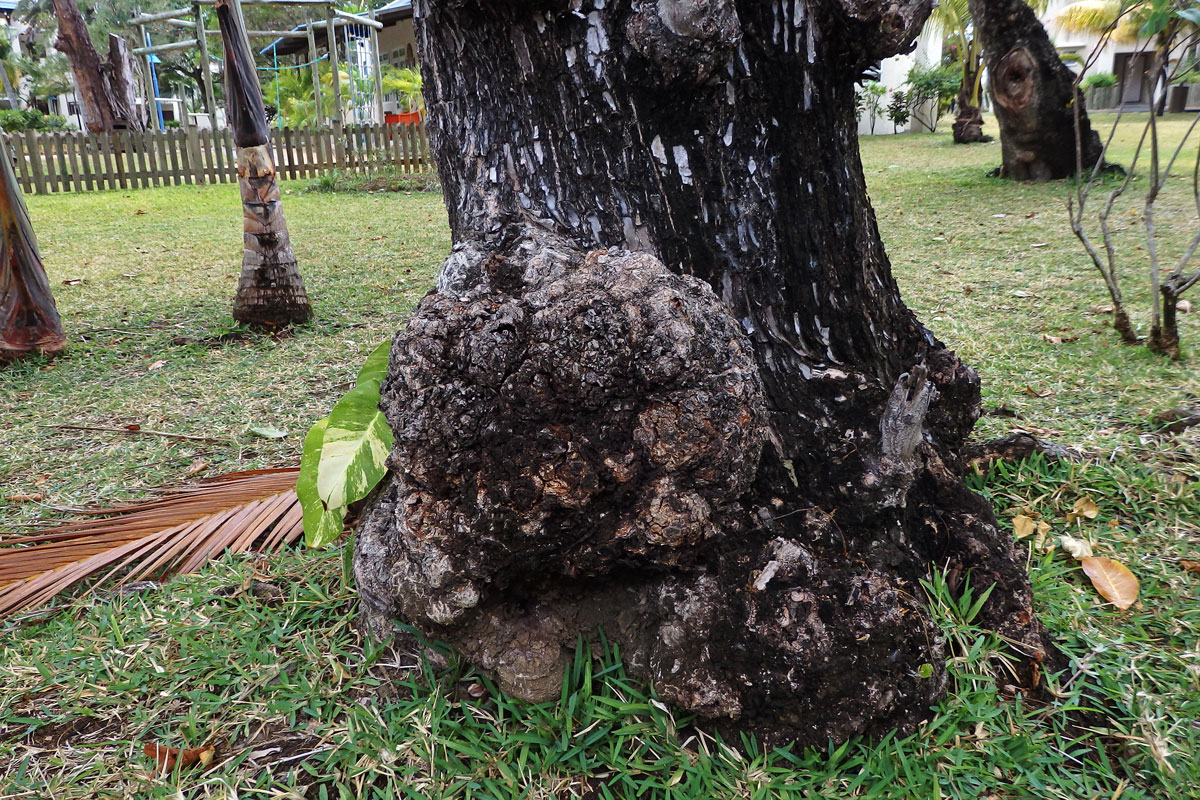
(1033, 95)
(666, 386)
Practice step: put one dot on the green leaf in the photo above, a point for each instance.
(266, 431)
(375, 367)
(321, 525)
(1190, 15)
(356, 444)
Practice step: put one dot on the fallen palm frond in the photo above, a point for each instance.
(174, 534)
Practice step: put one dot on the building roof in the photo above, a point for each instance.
(390, 14)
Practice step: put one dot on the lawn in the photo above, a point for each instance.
(259, 657)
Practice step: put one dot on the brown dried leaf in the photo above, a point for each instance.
(1190, 566)
(1029, 390)
(166, 758)
(1084, 507)
(32, 497)
(1023, 526)
(1077, 548)
(199, 465)
(1112, 580)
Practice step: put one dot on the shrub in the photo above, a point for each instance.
(932, 84)
(897, 110)
(23, 119)
(1098, 80)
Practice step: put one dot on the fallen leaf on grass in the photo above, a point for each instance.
(1190, 566)
(1077, 548)
(156, 365)
(33, 497)
(199, 465)
(1024, 525)
(1084, 507)
(168, 757)
(1059, 339)
(72, 281)
(1023, 293)
(266, 431)
(1029, 390)
(1184, 306)
(1112, 580)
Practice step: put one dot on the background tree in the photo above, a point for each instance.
(270, 290)
(1036, 101)
(954, 18)
(29, 321)
(104, 87)
(666, 385)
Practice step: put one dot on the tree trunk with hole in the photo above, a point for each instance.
(102, 85)
(270, 293)
(1033, 94)
(29, 321)
(666, 386)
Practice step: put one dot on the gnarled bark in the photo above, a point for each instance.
(666, 385)
(270, 291)
(29, 321)
(105, 87)
(1033, 94)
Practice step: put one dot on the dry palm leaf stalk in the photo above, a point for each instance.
(171, 535)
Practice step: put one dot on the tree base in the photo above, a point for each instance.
(578, 441)
(968, 127)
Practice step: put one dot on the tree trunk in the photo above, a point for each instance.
(13, 100)
(666, 386)
(1034, 95)
(104, 87)
(968, 122)
(123, 85)
(29, 321)
(270, 291)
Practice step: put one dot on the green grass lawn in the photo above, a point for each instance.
(297, 704)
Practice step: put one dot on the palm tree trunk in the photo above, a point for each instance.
(29, 321)
(270, 291)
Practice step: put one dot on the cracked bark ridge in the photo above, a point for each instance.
(29, 321)
(666, 385)
(1034, 95)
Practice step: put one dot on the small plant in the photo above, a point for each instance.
(1098, 80)
(872, 98)
(1168, 25)
(897, 110)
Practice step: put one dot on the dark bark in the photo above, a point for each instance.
(666, 385)
(1034, 95)
(29, 321)
(968, 126)
(104, 88)
(270, 291)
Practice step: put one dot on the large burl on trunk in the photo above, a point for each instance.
(666, 385)
(1034, 95)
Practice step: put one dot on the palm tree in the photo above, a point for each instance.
(29, 321)
(270, 291)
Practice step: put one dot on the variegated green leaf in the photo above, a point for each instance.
(375, 367)
(356, 444)
(321, 525)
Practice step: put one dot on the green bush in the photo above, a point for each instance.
(1098, 80)
(23, 119)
